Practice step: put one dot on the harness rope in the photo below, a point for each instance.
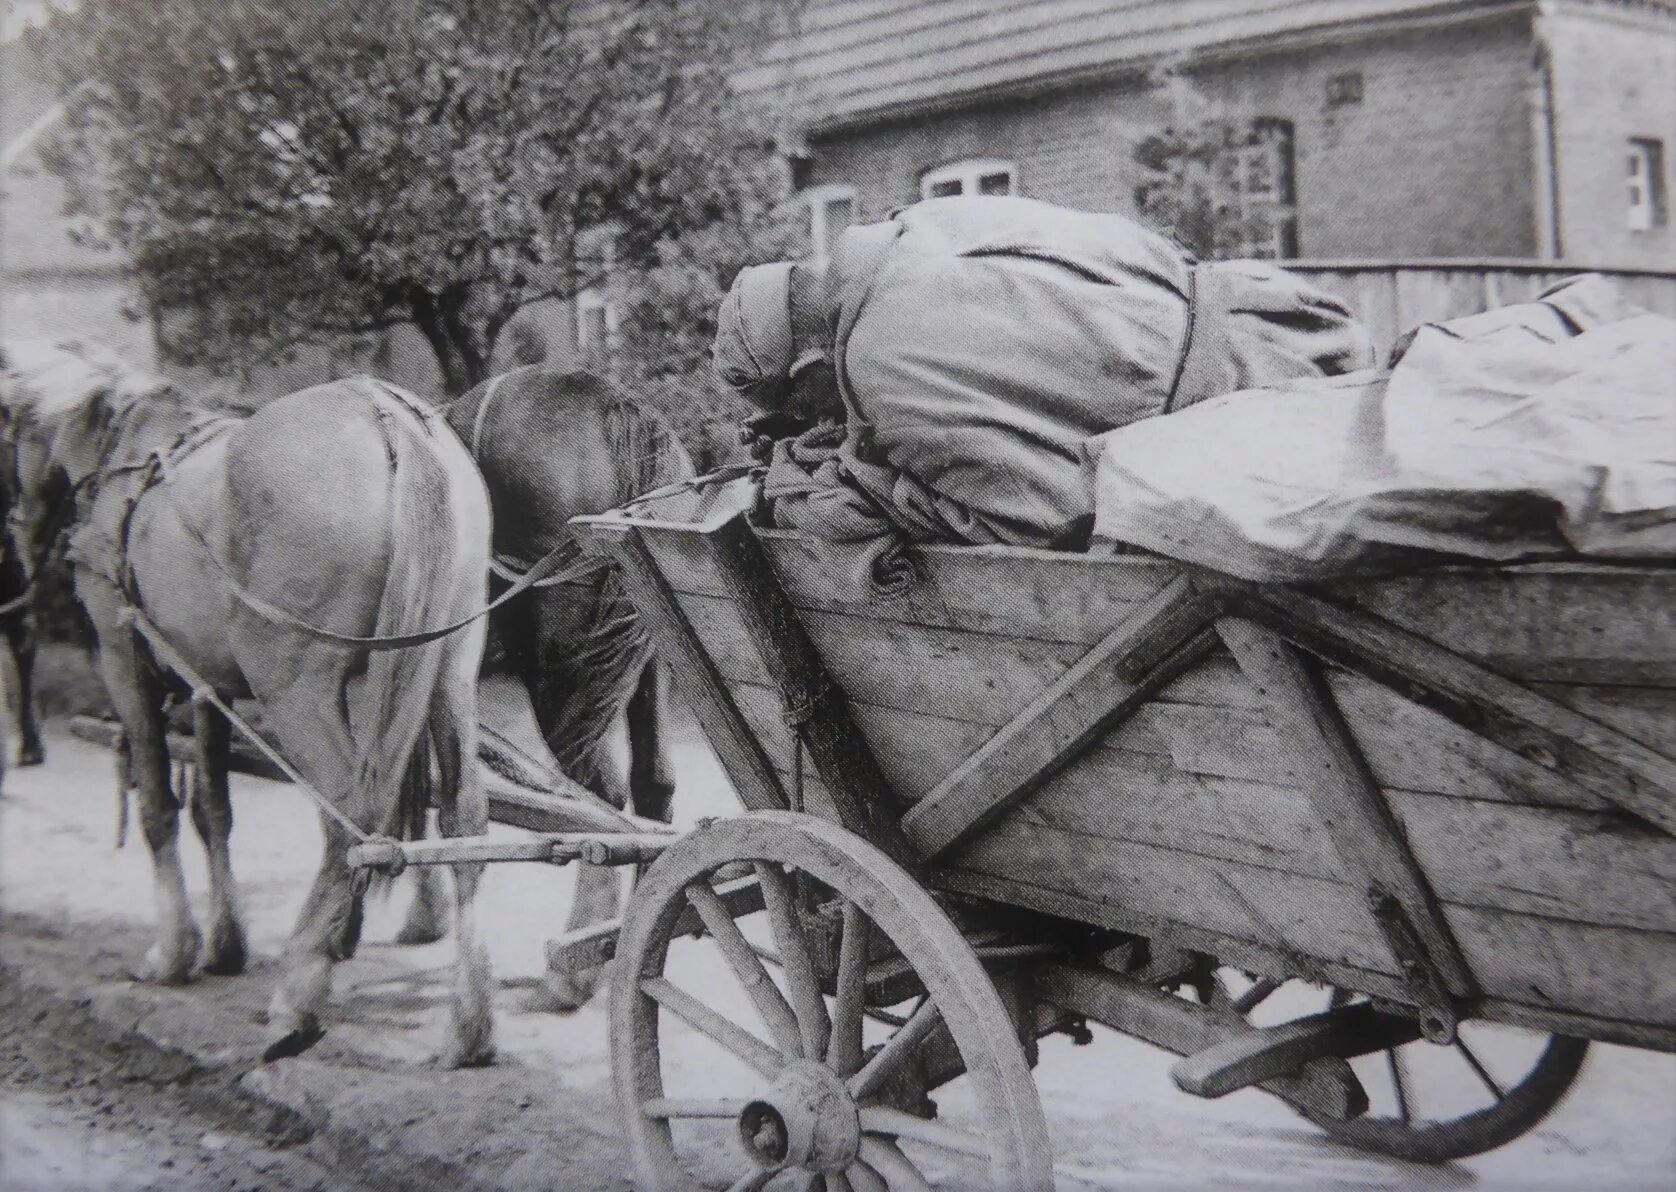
(205, 691)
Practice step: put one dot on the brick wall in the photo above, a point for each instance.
(1614, 78)
(1434, 161)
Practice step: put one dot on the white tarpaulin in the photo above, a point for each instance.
(1542, 430)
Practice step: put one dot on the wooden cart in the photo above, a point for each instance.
(1039, 790)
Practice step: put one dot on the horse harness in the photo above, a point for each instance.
(157, 472)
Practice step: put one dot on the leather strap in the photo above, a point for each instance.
(1204, 346)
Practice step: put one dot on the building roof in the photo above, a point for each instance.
(845, 62)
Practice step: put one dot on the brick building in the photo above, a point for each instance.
(1382, 129)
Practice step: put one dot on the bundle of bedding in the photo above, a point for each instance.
(1543, 430)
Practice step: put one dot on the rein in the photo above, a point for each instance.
(559, 565)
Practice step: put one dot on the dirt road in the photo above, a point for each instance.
(86, 1106)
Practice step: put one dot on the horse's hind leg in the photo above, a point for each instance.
(136, 692)
(429, 909)
(651, 777)
(316, 943)
(212, 816)
(463, 810)
(20, 643)
(20, 630)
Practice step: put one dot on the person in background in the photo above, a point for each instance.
(958, 355)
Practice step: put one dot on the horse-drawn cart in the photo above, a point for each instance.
(1043, 789)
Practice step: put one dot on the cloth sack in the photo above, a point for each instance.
(1540, 430)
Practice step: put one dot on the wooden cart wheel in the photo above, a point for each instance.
(814, 1106)
(1492, 1098)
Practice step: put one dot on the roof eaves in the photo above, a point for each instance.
(1016, 81)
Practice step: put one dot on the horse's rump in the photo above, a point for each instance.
(553, 446)
(355, 510)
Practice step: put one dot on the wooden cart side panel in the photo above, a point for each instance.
(988, 679)
(915, 691)
(1543, 962)
(1549, 623)
(1595, 868)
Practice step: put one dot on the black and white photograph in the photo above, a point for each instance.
(837, 595)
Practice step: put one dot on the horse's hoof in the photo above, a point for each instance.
(459, 1055)
(294, 1042)
(154, 970)
(560, 994)
(31, 755)
(225, 956)
(418, 934)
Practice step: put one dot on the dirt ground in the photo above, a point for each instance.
(108, 1084)
(81, 1110)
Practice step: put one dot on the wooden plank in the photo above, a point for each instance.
(1408, 746)
(1313, 927)
(1012, 591)
(964, 675)
(1166, 1021)
(1647, 714)
(1259, 958)
(1328, 766)
(1158, 641)
(747, 766)
(1575, 623)
(1566, 623)
(813, 701)
(1594, 868)
(1602, 760)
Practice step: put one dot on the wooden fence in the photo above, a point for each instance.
(1394, 296)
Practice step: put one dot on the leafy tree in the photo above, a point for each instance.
(286, 171)
(670, 310)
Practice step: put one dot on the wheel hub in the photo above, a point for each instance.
(807, 1120)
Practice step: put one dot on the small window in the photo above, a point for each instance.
(1646, 184)
(832, 208)
(983, 176)
(1344, 89)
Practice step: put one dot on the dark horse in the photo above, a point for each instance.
(24, 545)
(270, 558)
(552, 446)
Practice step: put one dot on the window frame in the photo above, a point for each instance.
(969, 172)
(1271, 140)
(1648, 211)
(819, 199)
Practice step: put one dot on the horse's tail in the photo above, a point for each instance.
(437, 568)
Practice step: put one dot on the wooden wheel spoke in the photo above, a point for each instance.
(804, 990)
(748, 967)
(1479, 1069)
(752, 1181)
(896, 1051)
(692, 1107)
(899, 1171)
(880, 1120)
(724, 1032)
(863, 1178)
(843, 1052)
(1255, 996)
(1399, 1083)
